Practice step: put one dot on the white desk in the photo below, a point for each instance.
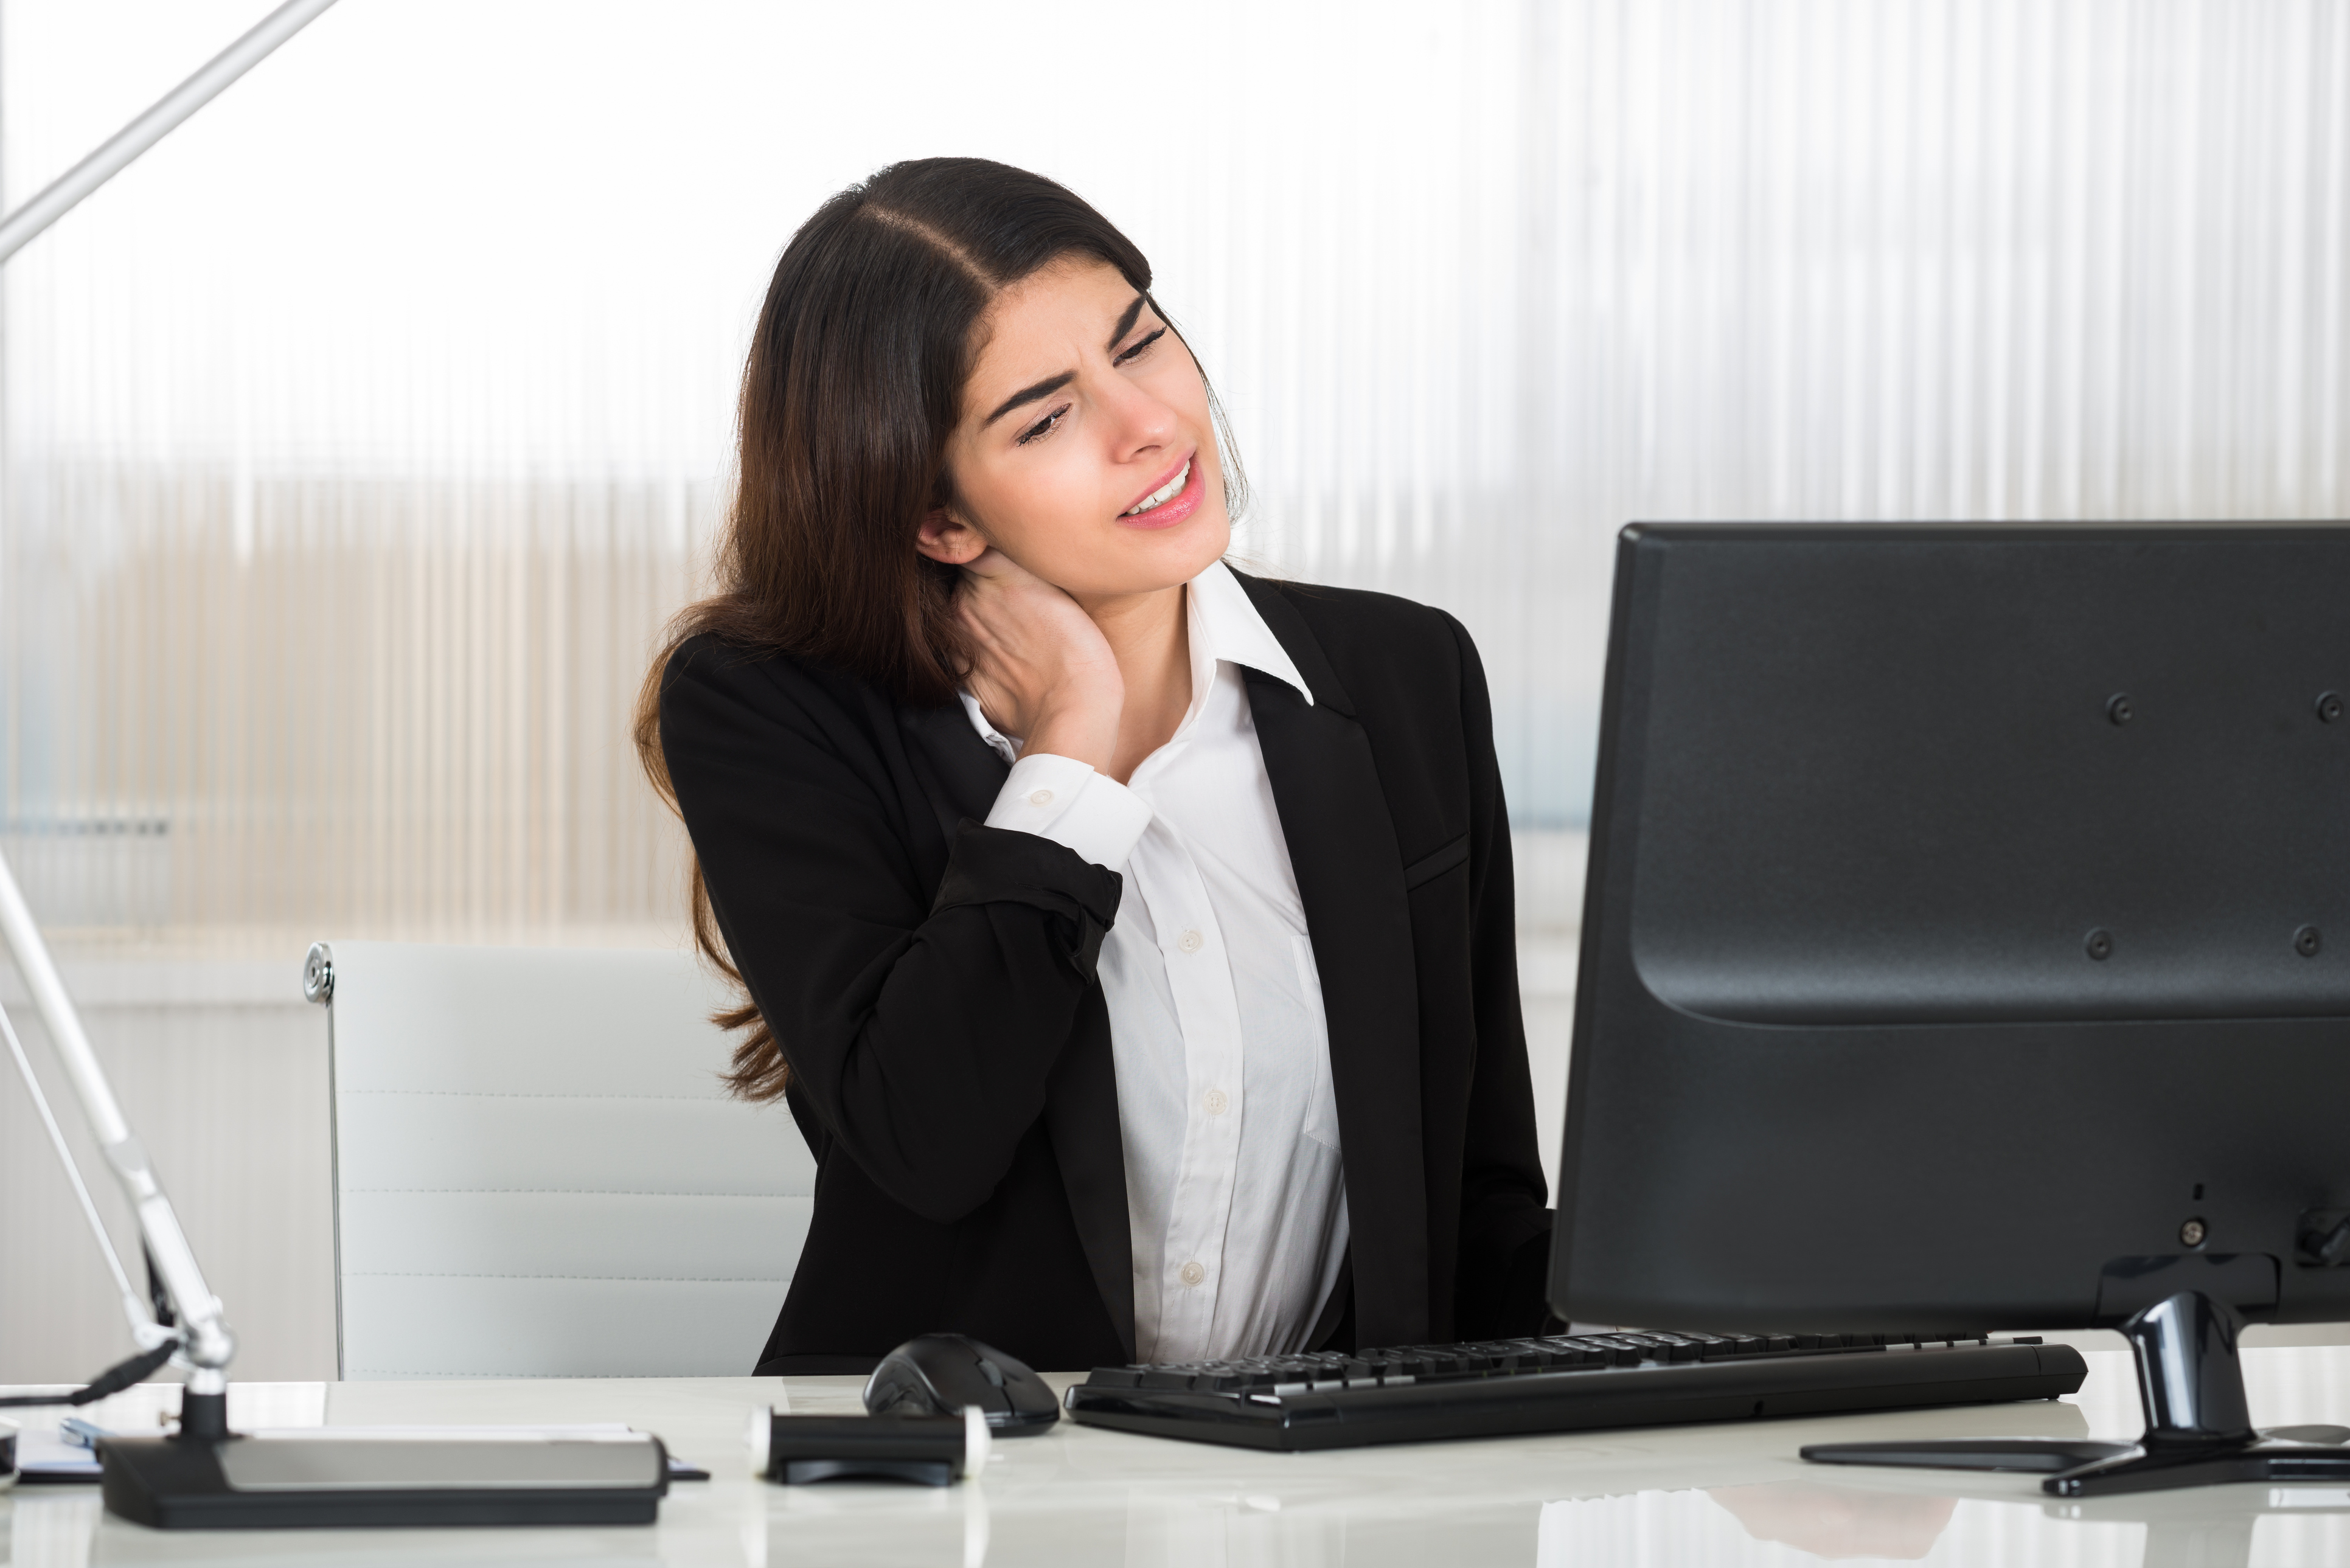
(1690, 1495)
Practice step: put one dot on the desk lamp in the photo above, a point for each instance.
(205, 1477)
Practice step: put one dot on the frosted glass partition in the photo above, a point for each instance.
(358, 440)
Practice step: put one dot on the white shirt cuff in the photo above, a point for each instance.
(1063, 799)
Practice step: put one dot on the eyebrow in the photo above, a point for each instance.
(1052, 384)
(1125, 323)
(1045, 389)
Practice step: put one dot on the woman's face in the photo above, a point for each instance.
(1086, 452)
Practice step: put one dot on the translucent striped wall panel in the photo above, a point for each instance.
(355, 702)
(358, 440)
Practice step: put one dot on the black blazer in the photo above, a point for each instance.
(932, 983)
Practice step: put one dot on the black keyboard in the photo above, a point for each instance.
(1424, 1392)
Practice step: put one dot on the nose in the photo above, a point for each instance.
(1140, 420)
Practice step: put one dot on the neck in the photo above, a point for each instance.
(1149, 635)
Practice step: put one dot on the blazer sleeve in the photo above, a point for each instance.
(1506, 1225)
(919, 1025)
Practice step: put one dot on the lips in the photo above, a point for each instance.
(1170, 484)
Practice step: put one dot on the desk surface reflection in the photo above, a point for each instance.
(1691, 1495)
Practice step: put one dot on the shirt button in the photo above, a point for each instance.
(1216, 1103)
(1192, 1274)
(1189, 941)
(1041, 798)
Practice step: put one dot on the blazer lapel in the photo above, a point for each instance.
(1342, 847)
(960, 773)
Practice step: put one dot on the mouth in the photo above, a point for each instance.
(1170, 488)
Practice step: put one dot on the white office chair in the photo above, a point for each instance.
(537, 1173)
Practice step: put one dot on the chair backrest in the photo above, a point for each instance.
(537, 1173)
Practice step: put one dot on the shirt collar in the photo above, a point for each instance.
(1226, 624)
(1223, 626)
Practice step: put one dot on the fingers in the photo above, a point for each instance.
(996, 586)
(1038, 663)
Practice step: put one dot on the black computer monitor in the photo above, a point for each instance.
(1967, 944)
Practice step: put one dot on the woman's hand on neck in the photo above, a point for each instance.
(1105, 682)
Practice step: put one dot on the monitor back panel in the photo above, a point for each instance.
(1968, 911)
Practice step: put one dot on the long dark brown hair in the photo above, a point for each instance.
(853, 386)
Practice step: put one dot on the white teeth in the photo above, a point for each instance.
(1161, 496)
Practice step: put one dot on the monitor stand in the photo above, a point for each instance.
(2199, 1428)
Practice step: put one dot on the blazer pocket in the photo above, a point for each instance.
(1428, 867)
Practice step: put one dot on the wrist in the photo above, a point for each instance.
(1085, 729)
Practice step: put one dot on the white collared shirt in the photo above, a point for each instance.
(1234, 1187)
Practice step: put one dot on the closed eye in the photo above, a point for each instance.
(1135, 351)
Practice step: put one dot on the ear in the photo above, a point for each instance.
(944, 537)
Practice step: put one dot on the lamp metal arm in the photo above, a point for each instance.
(206, 1341)
(20, 227)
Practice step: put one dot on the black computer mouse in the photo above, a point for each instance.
(940, 1374)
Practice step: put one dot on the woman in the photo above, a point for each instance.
(1130, 938)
